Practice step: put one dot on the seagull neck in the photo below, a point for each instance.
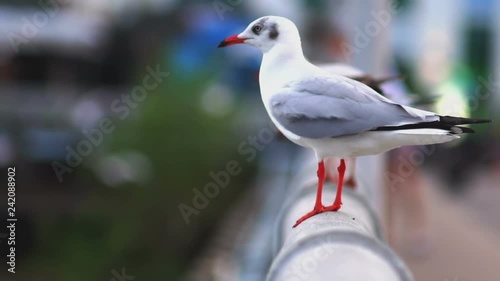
(282, 53)
(280, 65)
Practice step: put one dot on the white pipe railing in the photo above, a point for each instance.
(346, 245)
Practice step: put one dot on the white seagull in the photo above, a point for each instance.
(332, 114)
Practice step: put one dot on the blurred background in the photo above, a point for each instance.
(142, 148)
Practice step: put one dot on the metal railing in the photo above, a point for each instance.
(345, 245)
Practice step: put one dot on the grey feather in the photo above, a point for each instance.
(333, 106)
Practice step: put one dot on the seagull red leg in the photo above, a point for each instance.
(338, 197)
(318, 206)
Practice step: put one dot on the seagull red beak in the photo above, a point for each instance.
(231, 40)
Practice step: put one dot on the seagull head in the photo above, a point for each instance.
(265, 33)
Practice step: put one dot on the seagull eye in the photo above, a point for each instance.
(256, 29)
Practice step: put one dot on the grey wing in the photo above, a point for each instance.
(321, 107)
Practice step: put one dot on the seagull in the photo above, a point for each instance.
(358, 75)
(332, 114)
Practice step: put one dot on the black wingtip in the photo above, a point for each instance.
(461, 121)
(484, 120)
(453, 129)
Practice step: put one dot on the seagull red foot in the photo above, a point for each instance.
(318, 206)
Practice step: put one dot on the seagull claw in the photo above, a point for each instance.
(331, 208)
(308, 215)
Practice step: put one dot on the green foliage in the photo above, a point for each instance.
(140, 227)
